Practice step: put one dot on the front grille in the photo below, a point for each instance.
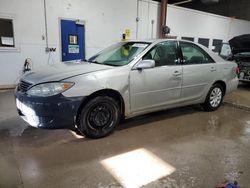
(24, 86)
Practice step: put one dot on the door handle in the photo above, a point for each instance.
(212, 69)
(177, 73)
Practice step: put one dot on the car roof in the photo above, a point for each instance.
(157, 40)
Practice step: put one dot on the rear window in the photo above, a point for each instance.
(193, 54)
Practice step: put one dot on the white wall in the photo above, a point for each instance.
(106, 20)
(29, 27)
(191, 23)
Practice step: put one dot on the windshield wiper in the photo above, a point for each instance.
(90, 61)
(96, 62)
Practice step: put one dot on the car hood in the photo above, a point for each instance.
(240, 44)
(61, 71)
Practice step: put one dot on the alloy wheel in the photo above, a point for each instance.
(215, 97)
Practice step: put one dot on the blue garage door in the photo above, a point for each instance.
(72, 40)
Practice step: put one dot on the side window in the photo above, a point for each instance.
(164, 53)
(193, 54)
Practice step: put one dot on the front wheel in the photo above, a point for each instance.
(99, 117)
(214, 98)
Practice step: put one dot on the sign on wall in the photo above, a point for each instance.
(73, 49)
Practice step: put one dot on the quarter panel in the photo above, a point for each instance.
(226, 72)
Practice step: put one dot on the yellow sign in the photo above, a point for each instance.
(128, 33)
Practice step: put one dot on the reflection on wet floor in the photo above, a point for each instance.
(204, 148)
(137, 168)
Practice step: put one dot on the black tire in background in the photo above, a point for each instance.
(99, 117)
(214, 98)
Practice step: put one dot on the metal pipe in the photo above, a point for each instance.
(46, 24)
(182, 2)
(137, 19)
(163, 17)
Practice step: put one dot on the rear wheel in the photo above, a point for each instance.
(214, 98)
(99, 117)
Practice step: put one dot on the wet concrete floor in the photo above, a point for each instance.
(189, 148)
(240, 97)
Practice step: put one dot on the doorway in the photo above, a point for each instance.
(72, 40)
(148, 16)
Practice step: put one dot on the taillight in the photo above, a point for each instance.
(237, 70)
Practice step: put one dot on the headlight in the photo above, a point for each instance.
(49, 89)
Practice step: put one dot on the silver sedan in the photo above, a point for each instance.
(125, 80)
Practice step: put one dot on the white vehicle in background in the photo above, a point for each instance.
(124, 80)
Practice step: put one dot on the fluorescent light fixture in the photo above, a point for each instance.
(182, 2)
(210, 1)
(137, 168)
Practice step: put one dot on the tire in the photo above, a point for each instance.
(99, 117)
(214, 98)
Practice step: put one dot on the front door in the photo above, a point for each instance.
(158, 86)
(72, 40)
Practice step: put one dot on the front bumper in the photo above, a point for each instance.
(244, 74)
(48, 112)
(244, 80)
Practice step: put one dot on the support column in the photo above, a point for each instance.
(163, 17)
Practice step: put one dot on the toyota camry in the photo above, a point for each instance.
(125, 80)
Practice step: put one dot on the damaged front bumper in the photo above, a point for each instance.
(48, 112)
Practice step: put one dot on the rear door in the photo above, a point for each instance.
(199, 72)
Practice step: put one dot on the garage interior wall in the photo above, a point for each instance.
(105, 21)
(196, 24)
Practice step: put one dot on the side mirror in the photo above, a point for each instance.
(145, 64)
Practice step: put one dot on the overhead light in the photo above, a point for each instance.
(210, 1)
(182, 2)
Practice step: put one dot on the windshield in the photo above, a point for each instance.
(119, 54)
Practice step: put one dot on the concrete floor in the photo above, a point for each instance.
(241, 97)
(178, 148)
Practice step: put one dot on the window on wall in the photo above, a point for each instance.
(6, 33)
(188, 38)
(217, 43)
(204, 42)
